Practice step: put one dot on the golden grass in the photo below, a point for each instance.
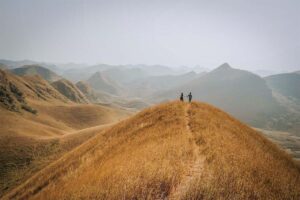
(142, 157)
(21, 157)
(148, 156)
(29, 142)
(240, 162)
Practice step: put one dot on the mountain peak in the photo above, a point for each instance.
(224, 66)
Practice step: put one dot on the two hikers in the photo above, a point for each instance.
(189, 96)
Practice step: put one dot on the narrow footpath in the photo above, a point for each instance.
(195, 167)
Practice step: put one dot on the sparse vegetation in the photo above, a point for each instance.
(11, 97)
(28, 109)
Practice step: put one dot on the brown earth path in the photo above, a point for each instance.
(195, 167)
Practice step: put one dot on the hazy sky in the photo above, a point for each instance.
(254, 34)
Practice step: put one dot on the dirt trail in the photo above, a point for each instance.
(195, 167)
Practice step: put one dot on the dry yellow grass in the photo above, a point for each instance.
(22, 156)
(29, 142)
(157, 154)
(240, 163)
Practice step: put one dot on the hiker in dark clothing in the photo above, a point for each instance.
(181, 97)
(190, 97)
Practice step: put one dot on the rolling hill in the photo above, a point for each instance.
(70, 91)
(36, 70)
(102, 83)
(171, 151)
(15, 91)
(92, 95)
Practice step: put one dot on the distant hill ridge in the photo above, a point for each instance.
(16, 91)
(287, 84)
(36, 70)
(69, 90)
(103, 83)
(92, 95)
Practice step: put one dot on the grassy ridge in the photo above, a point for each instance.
(149, 155)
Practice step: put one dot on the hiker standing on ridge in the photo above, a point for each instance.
(181, 97)
(190, 96)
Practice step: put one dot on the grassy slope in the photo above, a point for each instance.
(21, 156)
(154, 155)
(29, 142)
(240, 162)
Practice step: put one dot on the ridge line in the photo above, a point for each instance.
(194, 166)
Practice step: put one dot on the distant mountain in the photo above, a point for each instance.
(154, 70)
(126, 72)
(70, 91)
(239, 92)
(67, 66)
(285, 88)
(93, 95)
(125, 75)
(36, 70)
(267, 72)
(286, 84)
(78, 74)
(151, 84)
(15, 64)
(108, 99)
(84, 87)
(102, 83)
